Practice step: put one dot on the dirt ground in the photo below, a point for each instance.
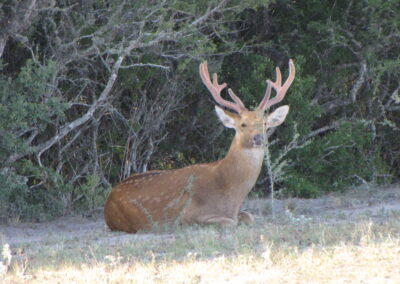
(366, 201)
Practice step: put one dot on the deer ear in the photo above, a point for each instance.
(227, 118)
(277, 117)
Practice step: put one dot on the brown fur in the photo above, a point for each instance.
(204, 193)
(214, 195)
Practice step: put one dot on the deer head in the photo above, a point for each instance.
(203, 193)
(250, 126)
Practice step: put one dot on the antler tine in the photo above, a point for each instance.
(280, 90)
(215, 89)
(267, 95)
(278, 76)
(236, 98)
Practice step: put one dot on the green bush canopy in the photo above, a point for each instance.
(94, 91)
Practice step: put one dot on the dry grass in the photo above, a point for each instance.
(370, 262)
(361, 247)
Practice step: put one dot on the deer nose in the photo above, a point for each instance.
(258, 140)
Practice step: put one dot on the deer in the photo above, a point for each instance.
(207, 193)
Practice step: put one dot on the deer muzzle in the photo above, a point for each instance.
(258, 140)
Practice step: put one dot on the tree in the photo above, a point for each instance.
(98, 66)
(344, 101)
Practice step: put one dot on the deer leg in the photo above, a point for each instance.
(218, 220)
(245, 217)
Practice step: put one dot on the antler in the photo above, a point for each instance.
(215, 90)
(280, 90)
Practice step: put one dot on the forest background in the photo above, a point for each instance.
(93, 91)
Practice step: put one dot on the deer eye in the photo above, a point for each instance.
(244, 124)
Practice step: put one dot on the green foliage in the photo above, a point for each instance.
(26, 110)
(90, 195)
(342, 128)
(332, 161)
(26, 107)
(302, 114)
(296, 185)
(247, 74)
(12, 201)
(330, 42)
(19, 202)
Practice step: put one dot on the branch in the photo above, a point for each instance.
(393, 108)
(208, 14)
(360, 81)
(89, 114)
(318, 131)
(17, 20)
(394, 97)
(67, 128)
(145, 65)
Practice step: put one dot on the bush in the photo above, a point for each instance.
(333, 161)
(28, 191)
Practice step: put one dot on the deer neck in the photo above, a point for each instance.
(241, 166)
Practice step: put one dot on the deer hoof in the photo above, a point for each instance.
(245, 217)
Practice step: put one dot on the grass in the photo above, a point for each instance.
(273, 253)
(293, 248)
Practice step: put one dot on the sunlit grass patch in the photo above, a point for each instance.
(375, 261)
